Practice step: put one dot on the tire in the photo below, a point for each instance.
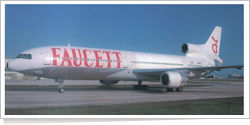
(170, 89)
(140, 87)
(180, 89)
(61, 90)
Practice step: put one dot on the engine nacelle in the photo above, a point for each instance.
(190, 48)
(193, 50)
(108, 82)
(173, 79)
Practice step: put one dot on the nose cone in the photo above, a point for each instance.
(11, 65)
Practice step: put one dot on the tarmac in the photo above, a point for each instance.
(43, 93)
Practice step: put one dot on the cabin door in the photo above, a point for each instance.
(125, 62)
(47, 59)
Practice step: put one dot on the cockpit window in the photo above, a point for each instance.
(24, 56)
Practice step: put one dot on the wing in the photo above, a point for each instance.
(157, 72)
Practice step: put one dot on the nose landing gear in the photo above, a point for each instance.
(60, 87)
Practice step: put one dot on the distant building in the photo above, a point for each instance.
(235, 76)
(211, 77)
(13, 75)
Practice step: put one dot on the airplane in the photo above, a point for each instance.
(111, 66)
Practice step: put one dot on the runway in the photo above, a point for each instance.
(43, 93)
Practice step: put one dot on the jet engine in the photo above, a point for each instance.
(191, 48)
(108, 82)
(173, 79)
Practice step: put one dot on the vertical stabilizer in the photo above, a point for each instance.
(212, 46)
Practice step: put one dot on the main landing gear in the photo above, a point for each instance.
(179, 89)
(60, 87)
(140, 86)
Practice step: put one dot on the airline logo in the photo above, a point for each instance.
(86, 58)
(215, 45)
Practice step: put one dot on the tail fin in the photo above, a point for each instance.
(212, 46)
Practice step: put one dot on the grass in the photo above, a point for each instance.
(223, 106)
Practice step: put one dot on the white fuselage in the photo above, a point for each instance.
(60, 62)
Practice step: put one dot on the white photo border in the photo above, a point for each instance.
(246, 59)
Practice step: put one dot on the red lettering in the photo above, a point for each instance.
(66, 58)
(55, 55)
(86, 58)
(75, 57)
(118, 59)
(216, 41)
(98, 58)
(214, 46)
(108, 57)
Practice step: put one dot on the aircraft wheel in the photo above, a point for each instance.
(60, 86)
(140, 87)
(170, 89)
(180, 89)
(61, 90)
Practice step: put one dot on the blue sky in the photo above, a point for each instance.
(147, 28)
